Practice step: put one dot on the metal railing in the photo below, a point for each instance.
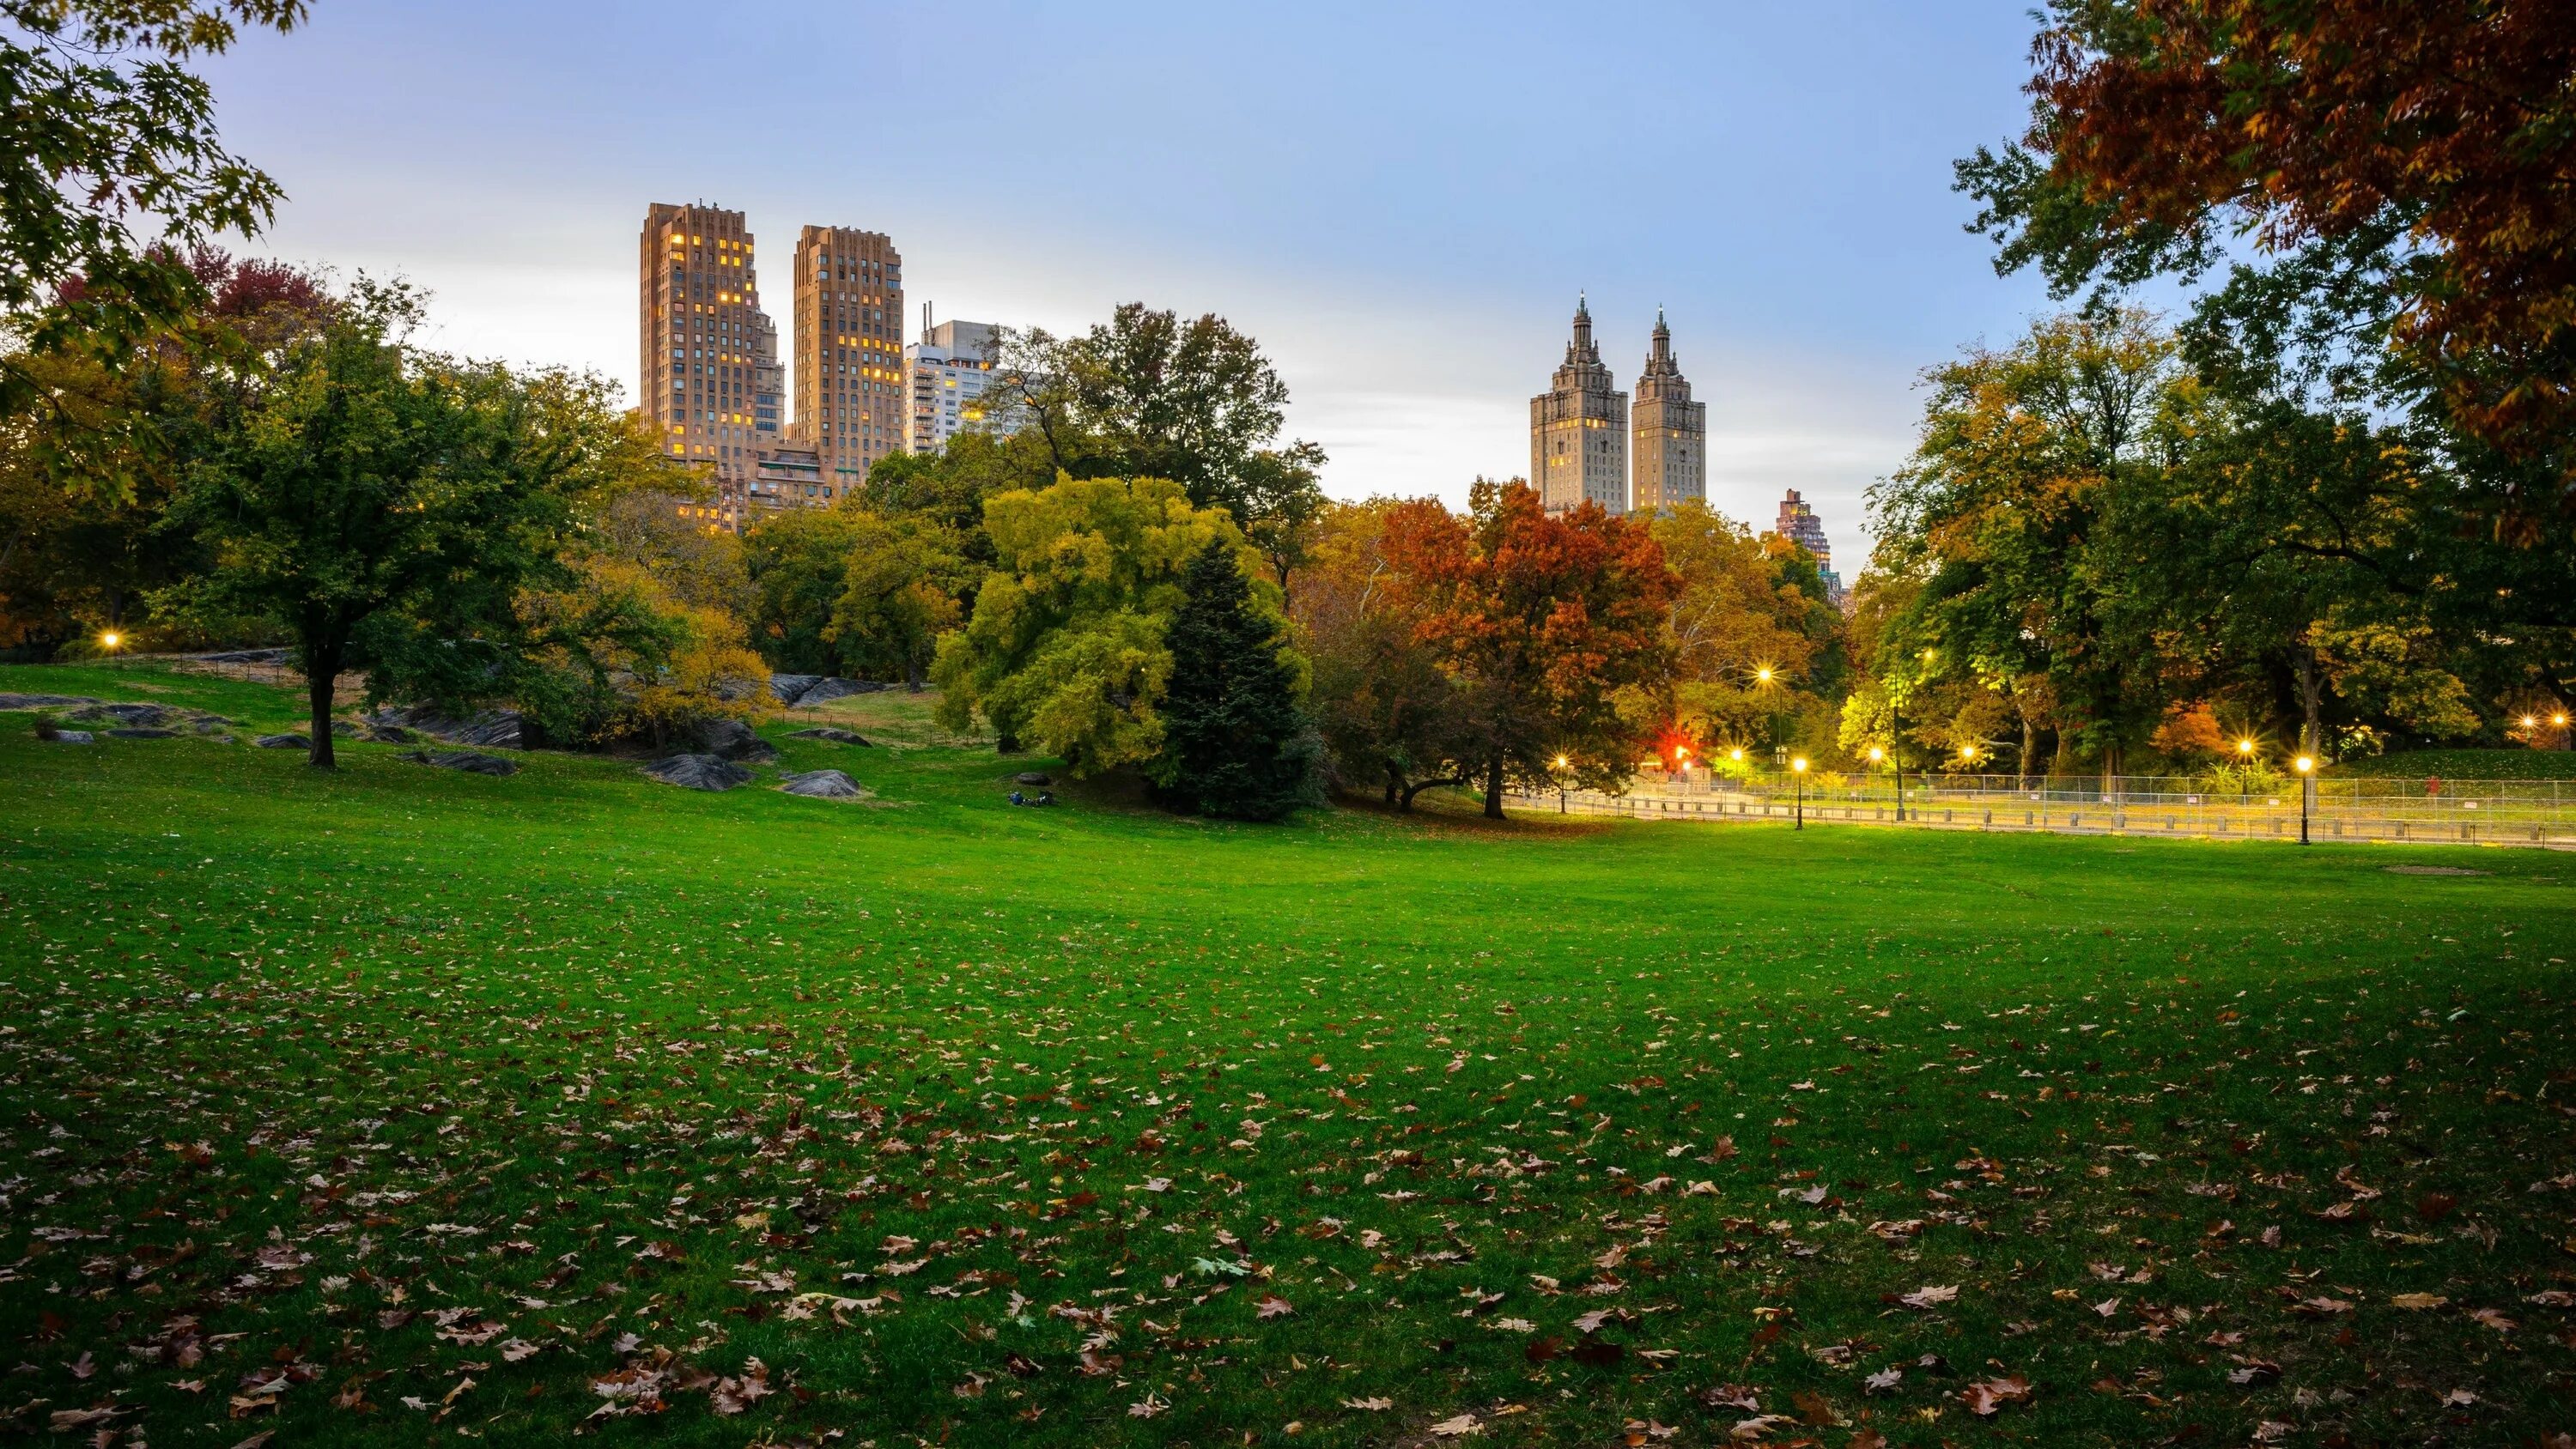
(2473, 812)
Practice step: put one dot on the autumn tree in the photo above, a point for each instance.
(1065, 648)
(1390, 716)
(2401, 167)
(1541, 622)
(1750, 633)
(900, 582)
(1996, 517)
(111, 171)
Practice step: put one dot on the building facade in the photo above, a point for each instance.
(1670, 435)
(1579, 430)
(1798, 524)
(848, 370)
(949, 369)
(702, 334)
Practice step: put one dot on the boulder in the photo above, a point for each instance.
(140, 733)
(212, 724)
(824, 785)
(390, 734)
(283, 742)
(698, 772)
(731, 739)
(1032, 777)
(246, 656)
(829, 688)
(791, 687)
(141, 716)
(72, 737)
(43, 701)
(827, 733)
(344, 729)
(467, 760)
(493, 729)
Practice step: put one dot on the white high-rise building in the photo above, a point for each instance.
(948, 370)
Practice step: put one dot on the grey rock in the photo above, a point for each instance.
(831, 688)
(344, 729)
(141, 716)
(824, 785)
(493, 729)
(698, 772)
(791, 687)
(1032, 777)
(731, 739)
(283, 742)
(73, 737)
(829, 734)
(390, 734)
(246, 656)
(469, 761)
(142, 734)
(42, 701)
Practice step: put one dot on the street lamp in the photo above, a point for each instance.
(2307, 768)
(1798, 767)
(1560, 784)
(2244, 773)
(110, 640)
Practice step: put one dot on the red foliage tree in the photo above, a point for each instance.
(2425, 149)
(1541, 622)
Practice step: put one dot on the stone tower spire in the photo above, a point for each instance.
(1671, 437)
(1579, 429)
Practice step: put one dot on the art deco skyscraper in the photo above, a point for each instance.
(1671, 432)
(1579, 430)
(849, 373)
(701, 326)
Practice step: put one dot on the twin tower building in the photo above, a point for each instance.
(1584, 439)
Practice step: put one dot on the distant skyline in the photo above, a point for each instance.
(1400, 203)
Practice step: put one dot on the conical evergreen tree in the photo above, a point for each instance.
(1235, 742)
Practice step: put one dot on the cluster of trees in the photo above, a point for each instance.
(2336, 503)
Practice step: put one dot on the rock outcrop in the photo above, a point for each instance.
(824, 785)
(829, 735)
(698, 772)
(803, 691)
(493, 729)
(283, 742)
(469, 761)
(731, 739)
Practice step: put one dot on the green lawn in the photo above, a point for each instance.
(401, 1103)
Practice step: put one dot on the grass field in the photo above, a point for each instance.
(402, 1104)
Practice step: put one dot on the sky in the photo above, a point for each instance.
(1400, 201)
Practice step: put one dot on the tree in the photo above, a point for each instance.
(1389, 714)
(1996, 520)
(1749, 632)
(1147, 395)
(798, 562)
(386, 507)
(900, 583)
(1235, 742)
(1065, 648)
(104, 126)
(1541, 622)
(2407, 160)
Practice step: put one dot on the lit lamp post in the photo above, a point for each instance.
(2244, 773)
(109, 641)
(2566, 740)
(1877, 755)
(2307, 768)
(1798, 767)
(1560, 784)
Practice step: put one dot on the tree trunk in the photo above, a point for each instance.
(1394, 783)
(2021, 765)
(2310, 703)
(321, 672)
(1419, 786)
(912, 676)
(1494, 788)
(2110, 771)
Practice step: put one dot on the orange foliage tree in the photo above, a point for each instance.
(1539, 622)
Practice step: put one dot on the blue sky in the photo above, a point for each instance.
(1400, 201)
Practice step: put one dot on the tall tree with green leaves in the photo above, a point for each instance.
(1236, 742)
(900, 582)
(1065, 649)
(386, 508)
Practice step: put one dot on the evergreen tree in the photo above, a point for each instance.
(1235, 742)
